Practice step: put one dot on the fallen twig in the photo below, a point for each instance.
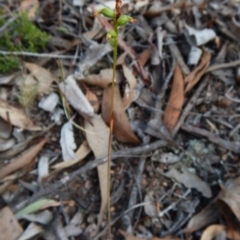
(45, 189)
(133, 196)
(169, 7)
(43, 55)
(223, 65)
(190, 105)
(160, 96)
(231, 146)
(175, 52)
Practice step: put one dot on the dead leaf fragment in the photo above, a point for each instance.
(67, 142)
(31, 231)
(81, 153)
(9, 226)
(132, 237)
(213, 231)
(97, 134)
(30, 6)
(144, 56)
(49, 103)
(176, 100)
(121, 127)
(76, 97)
(201, 37)
(23, 160)
(15, 116)
(94, 53)
(129, 93)
(150, 207)
(189, 180)
(193, 78)
(231, 195)
(208, 215)
(226, 202)
(92, 98)
(103, 79)
(72, 228)
(43, 76)
(217, 231)
(43, 167)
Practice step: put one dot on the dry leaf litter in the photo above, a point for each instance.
(176, 143)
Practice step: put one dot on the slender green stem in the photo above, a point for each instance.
(111, 127)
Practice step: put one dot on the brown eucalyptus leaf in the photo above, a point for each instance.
(150, 207)
(121, 58)
(97, 134)
(132, 237)
(9, 225)
(5, 129)
(103, 79)
(43, 76)
(189, 180)
(213, 231)
(121, 127)
(76, 98)
(81, 153)
(228, 201)
(25, 159)
(193, 78)
(176, 100)
(144, 56)
(217, 231)
(94, 53)
(129, 93)
(15, 116)
(92, 98)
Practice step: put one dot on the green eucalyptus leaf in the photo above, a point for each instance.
(36, 206)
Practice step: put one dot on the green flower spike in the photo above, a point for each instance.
(106, 12)
(124, 19)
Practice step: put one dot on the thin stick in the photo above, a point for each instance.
(223, 65)
(43, 55)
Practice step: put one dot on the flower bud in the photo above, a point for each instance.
(107, 12)
(111, 35)
(113, 42)
(123, 20)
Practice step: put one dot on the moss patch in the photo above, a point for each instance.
(20, 35)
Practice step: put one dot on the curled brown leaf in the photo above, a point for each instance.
(193, 78)
(23, 160)
(121, 129)
(176, 100)
(15, 116)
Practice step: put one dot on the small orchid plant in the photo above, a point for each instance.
(112, 36)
